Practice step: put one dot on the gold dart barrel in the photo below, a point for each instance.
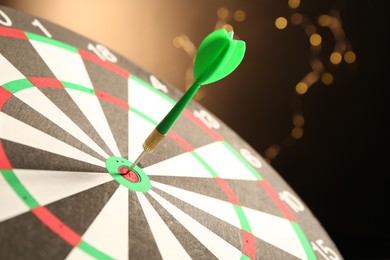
(149, 145)
(152, 141)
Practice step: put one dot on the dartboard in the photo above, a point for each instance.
(73, 112)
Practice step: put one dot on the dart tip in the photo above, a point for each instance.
(137, 160)
(132, 166)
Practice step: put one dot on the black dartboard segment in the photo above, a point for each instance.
(67, 104)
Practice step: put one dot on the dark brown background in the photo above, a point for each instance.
(338, 166)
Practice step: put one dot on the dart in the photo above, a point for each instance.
(218, 55)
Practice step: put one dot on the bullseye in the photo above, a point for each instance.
(134, 179)
(123, 170)
(129, 175)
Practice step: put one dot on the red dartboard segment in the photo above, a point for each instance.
(114, 100)
(14, 33)
(179, 140)
(54, 83)
(275, 197)
(249, 246)
(202, 125)
(4, 162)
(228, 191)
(56, 225)
(106, 64)
(46, 82)
(4, 96)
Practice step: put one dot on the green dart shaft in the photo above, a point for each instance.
(162, 129)
(166, 124)
(158, 134)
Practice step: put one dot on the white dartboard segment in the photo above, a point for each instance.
(183, 165)
(168, 245)
(8, 72)
(109, 231)
(224, 162)
(78, 254)
(19, 132)
(66, 65)
(139, 129)
(10, 203)
(147, 101)
(48, 186)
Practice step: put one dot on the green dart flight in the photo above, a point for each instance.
(218, 55)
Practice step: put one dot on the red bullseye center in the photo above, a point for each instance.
(123, 170)
(129, 175)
